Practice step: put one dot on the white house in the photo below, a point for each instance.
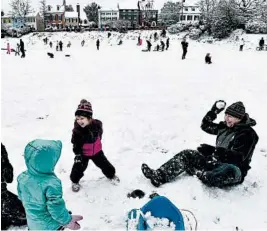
(107, 15)
(190, 13)
(71, 18)
(34, 20)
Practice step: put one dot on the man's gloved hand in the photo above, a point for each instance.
(220, 154)
(78, 158)
(206, 149)
(218, 106)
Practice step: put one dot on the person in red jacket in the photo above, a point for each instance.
(87, 145)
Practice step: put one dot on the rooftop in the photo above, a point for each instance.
(71, 14)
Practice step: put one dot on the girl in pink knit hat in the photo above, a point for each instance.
(87, 145)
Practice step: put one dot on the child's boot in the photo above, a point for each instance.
(75, 187)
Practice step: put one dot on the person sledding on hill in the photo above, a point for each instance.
(97, 44)
(87, 145)
(227, 163)
(162, 45)
(40, 190)
(149, 45)
(12, 210)
(167, 43)
(184, 47)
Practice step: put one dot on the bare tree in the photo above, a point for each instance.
(246, 9)
(43, 10)
(20, 8)
(208, 11)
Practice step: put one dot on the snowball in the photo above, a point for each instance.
(220, 105)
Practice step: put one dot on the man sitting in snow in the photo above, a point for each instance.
(227, 163)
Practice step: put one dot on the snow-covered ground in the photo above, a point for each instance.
(151, 106)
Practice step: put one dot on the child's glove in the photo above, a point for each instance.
(74, 225)
(218, 106)
(78, 158)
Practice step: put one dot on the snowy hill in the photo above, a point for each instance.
(151, 106)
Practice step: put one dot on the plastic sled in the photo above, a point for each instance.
(160, 207)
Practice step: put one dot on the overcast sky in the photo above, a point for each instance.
(103, 3)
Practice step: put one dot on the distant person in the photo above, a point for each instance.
(242, 44)
(208, 58)
(149, 45)
(57, 46)
(22, 48)
(167, 43)
(261, 44)
(97, 44)
(60, 45)
(184, 47)
(162, 44)
(17, 50)
(8, 49)
(51, 44)
(82, 43)
(138, 41)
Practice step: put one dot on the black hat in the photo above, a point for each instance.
(236, 110)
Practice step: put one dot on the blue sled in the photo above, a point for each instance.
(160, 207)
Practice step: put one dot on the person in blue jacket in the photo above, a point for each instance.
(40, 190)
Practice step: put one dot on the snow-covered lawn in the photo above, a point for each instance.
(151, 106)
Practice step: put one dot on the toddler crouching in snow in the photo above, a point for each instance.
(86, 139)
(40, 190)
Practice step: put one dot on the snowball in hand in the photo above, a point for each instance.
(220, 105)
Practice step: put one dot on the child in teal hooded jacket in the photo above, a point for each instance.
(40, 190)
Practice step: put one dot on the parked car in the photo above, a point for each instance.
(50, 28)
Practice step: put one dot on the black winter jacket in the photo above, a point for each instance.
(6, 168)
(88, 134)
(233, 145)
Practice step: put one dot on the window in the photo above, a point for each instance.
(182, 18)
(186, 8)
(72, 20)
(196, 17)
(56, 17)
(193, 9)
(189, 17)
(102, 13)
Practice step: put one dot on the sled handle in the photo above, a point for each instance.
(186, 210)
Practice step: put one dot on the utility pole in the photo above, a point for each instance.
(78, 10)
(182, 9)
